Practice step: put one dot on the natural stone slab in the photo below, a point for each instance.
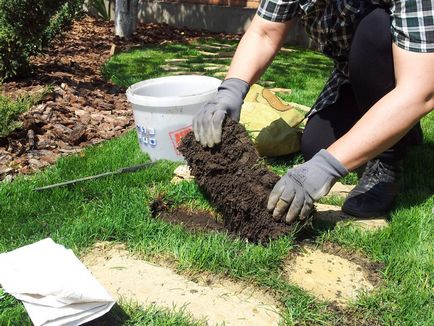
(340, 189)
(328, 216)
(170, 68)
(220, 74)
(226, 54)
(184, 73)
(177, 60)
(213, 54)
(327, 276)
(218, 301)
(215, 59)
(286, 50)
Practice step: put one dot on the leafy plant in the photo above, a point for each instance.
(27, 27)
(10, 110)
(101, 9)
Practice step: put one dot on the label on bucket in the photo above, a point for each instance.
(177, 135)
(147, 136)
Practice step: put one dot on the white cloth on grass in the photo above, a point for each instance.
(54, 286)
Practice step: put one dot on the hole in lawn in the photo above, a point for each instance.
(191, 220)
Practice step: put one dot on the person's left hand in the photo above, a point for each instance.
(301, 186)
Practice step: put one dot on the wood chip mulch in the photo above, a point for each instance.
(83, 109)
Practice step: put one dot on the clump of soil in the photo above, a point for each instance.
(233, 177)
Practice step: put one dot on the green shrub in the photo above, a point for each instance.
(101, 9)
(27, 27)
(10, 110)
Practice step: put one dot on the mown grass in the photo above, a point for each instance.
(117, 209)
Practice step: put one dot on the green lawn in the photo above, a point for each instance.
(117, 209)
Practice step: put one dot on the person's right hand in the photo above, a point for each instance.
(207, 123)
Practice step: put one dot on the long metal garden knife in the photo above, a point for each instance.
(128, 169)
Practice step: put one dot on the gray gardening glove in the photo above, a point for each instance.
(207, 124)
(301, 186)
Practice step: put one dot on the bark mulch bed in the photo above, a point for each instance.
(83, 109)
(233, 177)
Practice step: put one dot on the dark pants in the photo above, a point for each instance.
(371, 77)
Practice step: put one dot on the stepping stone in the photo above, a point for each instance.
(286, 50)
(340, 189)
(226, 54)
(215, 59)
(220, 65)
(177, 60)
(212, 68)
(182, 73)
(213, 54)
(170, 68)
(223, 45)
(220, 74)
(216, 300)
(327, 276)
(328, 216)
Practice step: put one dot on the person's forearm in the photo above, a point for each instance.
(257, 48)
(392, 116)
(379, 129)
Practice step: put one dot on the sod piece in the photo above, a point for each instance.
(236, 181)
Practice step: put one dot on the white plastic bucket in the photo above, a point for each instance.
(163, 111)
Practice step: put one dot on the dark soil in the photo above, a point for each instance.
(236, 181)
(191, 220)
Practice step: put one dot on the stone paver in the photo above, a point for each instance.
(218, 301)
(220, 74)
(171, 68)
(327, 276)
(207, 53)
(340, 189)
(327, 216)
(176, 60)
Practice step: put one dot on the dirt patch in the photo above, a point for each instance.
(189, 219)
(206, 297)
(234, 178)
(333, 273)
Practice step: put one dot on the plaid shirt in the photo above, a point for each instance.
(330, 24)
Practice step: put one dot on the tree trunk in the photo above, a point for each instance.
(125, 17)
